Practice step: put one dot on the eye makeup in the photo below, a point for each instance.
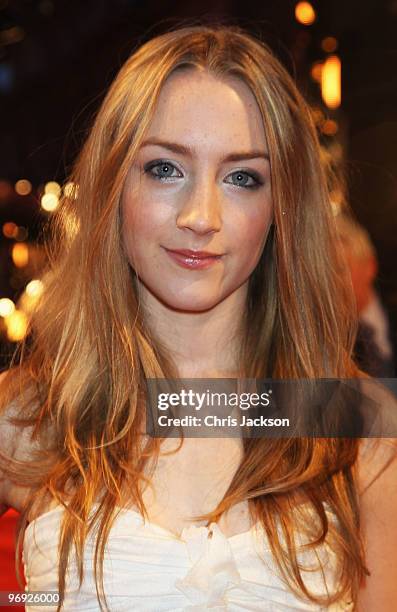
(164, 163)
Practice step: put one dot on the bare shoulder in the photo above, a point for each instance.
(15, 443)
(376, 475)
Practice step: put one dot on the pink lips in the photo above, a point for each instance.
(193, 260)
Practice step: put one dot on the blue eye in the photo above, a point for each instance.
(165, 169)
(241, 175)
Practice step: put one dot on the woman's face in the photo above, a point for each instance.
(201, 182)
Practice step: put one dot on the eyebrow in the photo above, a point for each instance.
(188, 151)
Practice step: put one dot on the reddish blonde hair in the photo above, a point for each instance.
(89, 351)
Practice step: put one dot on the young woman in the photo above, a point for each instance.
(198, 242)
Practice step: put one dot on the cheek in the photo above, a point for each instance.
(253, 231)
(142, 220)
(257, 232)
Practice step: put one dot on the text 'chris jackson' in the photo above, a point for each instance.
(214, 421)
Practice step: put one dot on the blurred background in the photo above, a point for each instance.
(57, 58)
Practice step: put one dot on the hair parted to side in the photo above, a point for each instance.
(90, 351)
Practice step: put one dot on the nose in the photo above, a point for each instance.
(201, 211)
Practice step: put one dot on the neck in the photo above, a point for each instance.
(202, 344)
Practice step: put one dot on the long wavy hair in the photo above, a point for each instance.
(80, 381)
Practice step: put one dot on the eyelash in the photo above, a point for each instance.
(164, 162)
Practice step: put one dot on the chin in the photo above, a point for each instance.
(182, 303)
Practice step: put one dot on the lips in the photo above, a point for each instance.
(191, 253)
(193, 260)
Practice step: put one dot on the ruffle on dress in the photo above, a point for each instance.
(213, 569)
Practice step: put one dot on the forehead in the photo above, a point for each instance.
(208, 112)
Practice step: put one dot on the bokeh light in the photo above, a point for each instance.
(16, 325)
(5, 190)
(316, 71)
(7, 307)
(49, 201)
(20, 254)
(34, 287)
(31, 295)
(10, 229)
(329, 127)
(23, 187)
(329, 44)
(10, 36)
(53, 187)
(331, 81)
(305, 13)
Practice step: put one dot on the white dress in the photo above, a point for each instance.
(147, 568)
